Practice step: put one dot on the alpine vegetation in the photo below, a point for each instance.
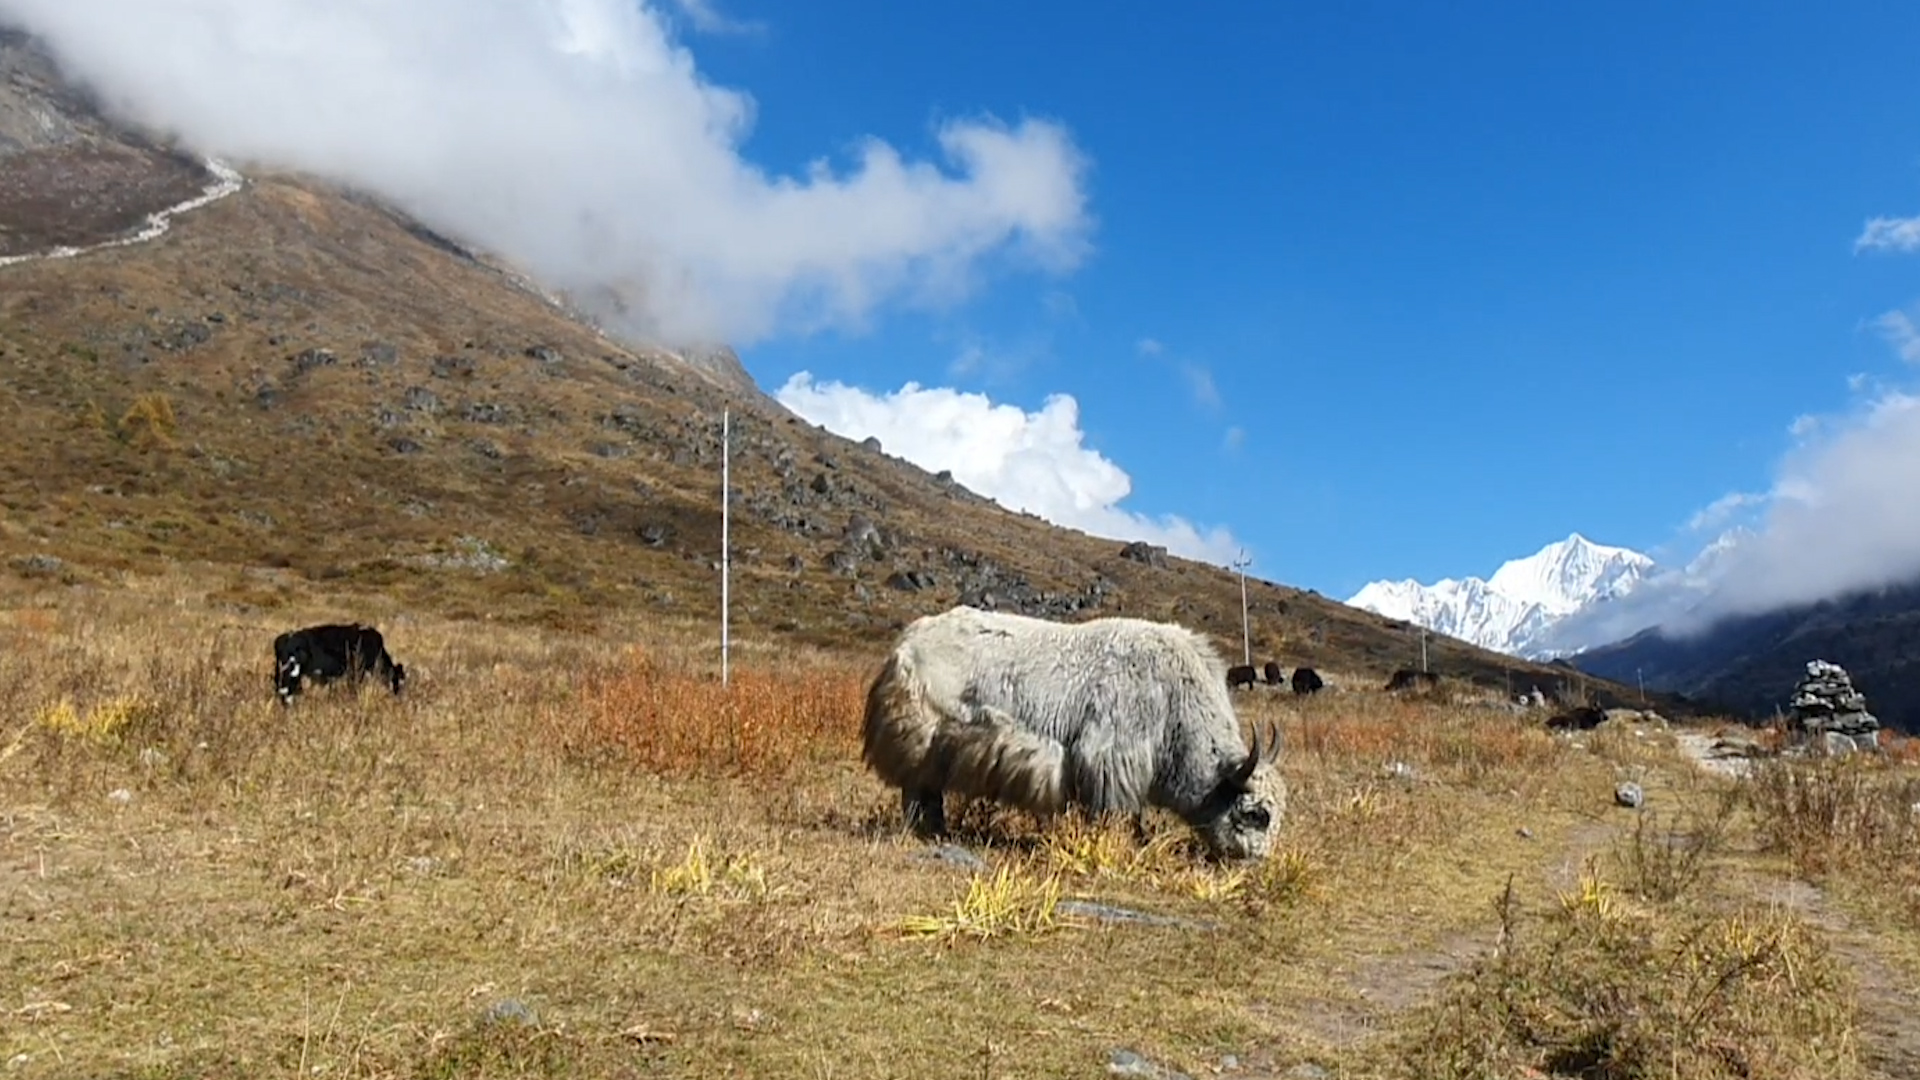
(1112, 714)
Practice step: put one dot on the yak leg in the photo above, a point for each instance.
(925, 810)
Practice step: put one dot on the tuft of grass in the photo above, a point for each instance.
(1010, 903)
(698, 873)
(105, 724)
(1594, 987)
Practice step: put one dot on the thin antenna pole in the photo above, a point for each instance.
(1246, 626)
(726, 551)
(1423, 649)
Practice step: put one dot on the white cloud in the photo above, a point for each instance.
(1150, 347)
(1723, 509)
(1842, 516)
(1889, 234)
(1032, 461)
(1235, 438)
(1898, 329)
(1803, 425)
(706, 17)
(1200, 382)
(577, 138)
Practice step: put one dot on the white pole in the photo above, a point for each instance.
(1246, 631)
(1423, 648)
(726, 560)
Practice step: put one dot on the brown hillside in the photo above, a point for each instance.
(293, 379)
(325, 399)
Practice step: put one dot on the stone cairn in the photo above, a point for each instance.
(1830, 713)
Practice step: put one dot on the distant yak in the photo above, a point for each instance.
(1579, 718)
(1241, 675)
(1273, 673)
(332, 651)
(1409, 679)
(1111, 715)
(1307, 681)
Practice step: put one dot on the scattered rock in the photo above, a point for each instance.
(421, 399)
(120, 795)
(911, 580)
(1629, 795)
(377, 353)
(1147, 554)
(447, 367)
(404, 445)
(487, 448)
(546, 354)
(487, 412)
(1307, 1070)
(952, 855)
(1089, 909)
(871, 442)
(654, 534)
(511, 1011)
(1128, 1063)
(38, 565)
(308, 359)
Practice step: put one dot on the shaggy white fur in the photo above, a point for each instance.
(1113, 714)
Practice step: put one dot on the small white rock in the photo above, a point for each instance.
(120, 795)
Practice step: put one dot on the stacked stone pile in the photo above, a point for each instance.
(1829, 712)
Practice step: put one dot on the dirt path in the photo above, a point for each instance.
(1889, 1006)
(225, 182)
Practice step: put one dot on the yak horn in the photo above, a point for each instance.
(1273, 747)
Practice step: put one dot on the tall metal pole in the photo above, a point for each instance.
(1246, 628)
(726, 551)
(1423, 648)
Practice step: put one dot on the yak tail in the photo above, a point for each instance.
(911, 744)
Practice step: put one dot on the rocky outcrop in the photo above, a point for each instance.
(1830, 713)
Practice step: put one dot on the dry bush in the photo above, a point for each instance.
(1595, 986)
(670, 720)
(1665, 865)
(149, 423)
(1838, 814)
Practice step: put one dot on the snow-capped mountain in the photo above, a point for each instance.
(1517, 610)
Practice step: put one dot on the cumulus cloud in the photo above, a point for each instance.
(1889, 234)
(579, 139)
(1031, 461)
(1842, 516)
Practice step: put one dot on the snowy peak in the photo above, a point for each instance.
(1514, 611)
(1570, 574)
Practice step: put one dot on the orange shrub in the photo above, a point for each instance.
(673, 721)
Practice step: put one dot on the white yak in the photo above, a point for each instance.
(1112, 714)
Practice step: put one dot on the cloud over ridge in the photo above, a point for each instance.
(577, 138)
(1032, 461)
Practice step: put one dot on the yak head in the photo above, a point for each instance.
(1239, 817)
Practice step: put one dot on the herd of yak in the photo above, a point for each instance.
(1111, 715)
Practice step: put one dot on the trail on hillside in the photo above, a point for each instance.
(226, 181)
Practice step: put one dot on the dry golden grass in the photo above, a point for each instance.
(577, 855)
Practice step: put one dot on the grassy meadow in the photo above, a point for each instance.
(578, 855)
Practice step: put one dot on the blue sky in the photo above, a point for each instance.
(1468, 278)
(1376, 291)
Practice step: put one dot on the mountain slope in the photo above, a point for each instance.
(1517, 609)
(304, 395)
(1750, 664)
